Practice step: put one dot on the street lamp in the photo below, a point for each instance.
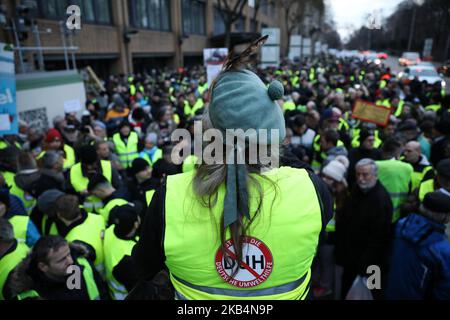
(413, 20)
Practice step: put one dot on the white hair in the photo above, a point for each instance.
(368, 162)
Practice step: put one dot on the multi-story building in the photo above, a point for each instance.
(120, 36)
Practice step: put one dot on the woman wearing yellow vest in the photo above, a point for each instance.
(236, 231)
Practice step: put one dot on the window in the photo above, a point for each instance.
(219, 24)
(92, 11)
(193, 16)
(150, 14)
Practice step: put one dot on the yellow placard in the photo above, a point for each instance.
(370, 112)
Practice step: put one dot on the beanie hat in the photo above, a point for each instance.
(139, 165)
(123, 218)
(335, 170)
(344, 160)
(437, 201)
(52, 135)
(240, 100)
(88, 154)
(46, 200)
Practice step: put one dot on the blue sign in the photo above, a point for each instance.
(8, 108)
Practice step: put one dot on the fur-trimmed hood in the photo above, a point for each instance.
(20, 279)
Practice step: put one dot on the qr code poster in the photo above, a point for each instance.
(36, 118)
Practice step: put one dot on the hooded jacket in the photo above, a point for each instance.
(420, 267)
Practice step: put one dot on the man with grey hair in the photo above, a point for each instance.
(12, 253)
(363, 227)
(52, 177)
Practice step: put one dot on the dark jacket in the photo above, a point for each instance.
(24, 278)
(420, 267)
(363, 229)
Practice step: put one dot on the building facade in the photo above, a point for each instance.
(125, 36)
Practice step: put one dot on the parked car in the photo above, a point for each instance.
(423, 73)
(409, 59)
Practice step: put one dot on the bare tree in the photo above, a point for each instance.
(293, 15)
(231, 11)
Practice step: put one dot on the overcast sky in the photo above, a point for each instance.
(350, 15)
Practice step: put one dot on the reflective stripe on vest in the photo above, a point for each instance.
(9, 262)
(240, 294)
(80, 183)
(90, 231)
(106, 210)
(20, 226)
(89, 279)
(126, 152)
(290, 232)
(115, 249)
(425, 188)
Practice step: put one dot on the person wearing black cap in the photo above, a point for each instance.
(81, 173)
(119, 241)
(420, 265)
(127, 144)
(102, 189)
(141, 182)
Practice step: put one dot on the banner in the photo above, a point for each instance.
(8, 109)
(213, 60)
(370, 112)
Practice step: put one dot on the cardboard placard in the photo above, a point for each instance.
(370, 112)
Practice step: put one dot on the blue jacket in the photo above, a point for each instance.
(420, 262)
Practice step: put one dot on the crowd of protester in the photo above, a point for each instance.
(76, 194)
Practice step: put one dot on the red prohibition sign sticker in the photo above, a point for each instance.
(255, 268)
